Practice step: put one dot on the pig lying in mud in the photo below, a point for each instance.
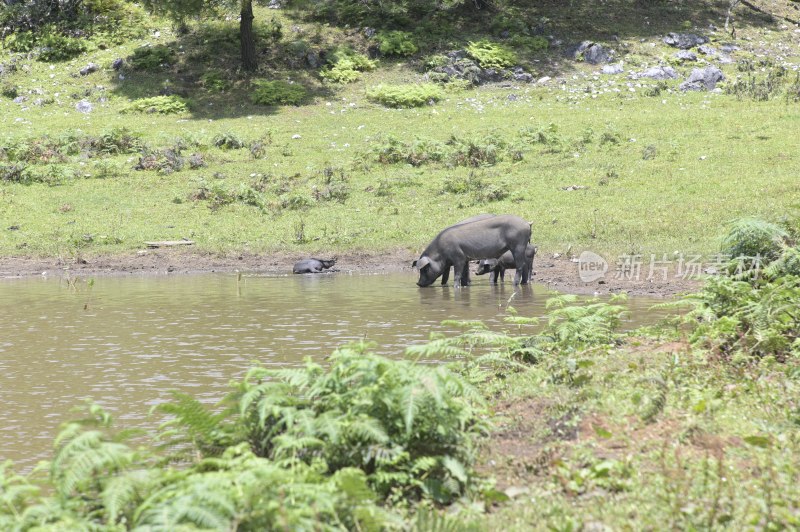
(497, 267)
(485, 238)
(312, 265)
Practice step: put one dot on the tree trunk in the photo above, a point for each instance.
(247, 37)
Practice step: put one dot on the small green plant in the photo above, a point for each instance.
(777, 81)
(753, 237)
(489, 54)
(404, 96)
(536, 43)
(278, 93)
(214, 81)
(9, 90)
(346, 66)
(229, 141)
(151, 57)
(397, 43)
(162, 105)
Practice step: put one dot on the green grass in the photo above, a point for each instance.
(681, 165)
(661, 436)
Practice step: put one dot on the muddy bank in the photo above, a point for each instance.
(558, 273)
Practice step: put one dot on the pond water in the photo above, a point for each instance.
(126, 342)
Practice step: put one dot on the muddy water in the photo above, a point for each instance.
(127, 341)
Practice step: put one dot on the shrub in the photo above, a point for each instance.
(228, 141)
(485, 151)
(57, 47)
(738, 319)
(405, 95)
(392, 150)
(410, 428)
(278, 93)
(9, 91)
(151, 57)
(14, 173)
(346, 66)
(752, 237)
(214, 81)
(163, 105)
(531, 44)
(776, 82)
(115, 141)
(397, 43)
(491, 55)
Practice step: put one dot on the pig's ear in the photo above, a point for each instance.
(421, 263)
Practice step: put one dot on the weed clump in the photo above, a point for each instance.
(162, 105)
(753, 237)
(397, 43)
(229, 141)
(489, 54)
(405, 96)
(277, 93)
(150, 58)
(775, 83)
(346, 66)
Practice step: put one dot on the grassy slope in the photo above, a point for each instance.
(716, 158)
(658, 437)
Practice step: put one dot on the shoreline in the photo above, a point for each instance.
(557, 273)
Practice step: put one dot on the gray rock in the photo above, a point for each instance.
(520, 75)
(88, 69)
(707, 49)
(659, 73)
(684, 41)
(612, 69)
(84, 107)
(313, 60)
(275, 4)
(117, 63)
(686, 55)
(39, 101)
(729, 48)
(703, 79)
(592, 53)
(369, 32)
(457, 55)
(20, 99)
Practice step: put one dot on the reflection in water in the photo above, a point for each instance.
(126, 342)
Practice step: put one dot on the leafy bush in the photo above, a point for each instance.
(739, 319)
(410, 428)
(163, 105)
(485, 151)
(532, 44)
(776, 82)
(753, 237)
(214, 81)
(392, 150)
(9, 91)
(151, 57)
(405, 95)
(228, 141)
(346, 66)
(489, 54)
(14, 173)
(98, 482)
(278, 93)
(57, 47)
(397, 43)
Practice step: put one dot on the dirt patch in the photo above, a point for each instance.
(518, 450)
(556, 273)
